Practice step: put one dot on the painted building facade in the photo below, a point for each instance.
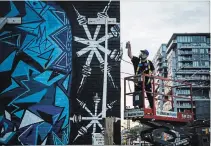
(51, 72)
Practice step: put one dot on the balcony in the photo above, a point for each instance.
(193, 78)
(186, 60)
(194, 45)
(191, 66)
(203, 72)
(172, 44)
(164, 65)
(185, 53)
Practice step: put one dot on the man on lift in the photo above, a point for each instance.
(142, 65)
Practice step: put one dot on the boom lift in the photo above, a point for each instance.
(171, 127)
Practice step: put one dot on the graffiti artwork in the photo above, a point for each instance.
(51, 72)
(36, 69)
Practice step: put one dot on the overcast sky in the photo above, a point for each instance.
(148, 24)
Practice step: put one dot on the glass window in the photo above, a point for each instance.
(178, 39)
(189, 39)
(185, 39)
(208, 40)
(179, 64)
(206, 57)
(198, 39)
(202, 63)
(206, 51)
(201, 51)
(207, 63)
(194, 38)
(204, 39)
(195, 50)
(195, 63)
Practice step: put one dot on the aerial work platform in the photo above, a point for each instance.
(163, 91)
(169, 124)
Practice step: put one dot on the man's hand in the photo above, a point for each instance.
(128, 46)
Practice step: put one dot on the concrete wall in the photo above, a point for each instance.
(51, 72)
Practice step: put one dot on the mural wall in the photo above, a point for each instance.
(51, 72)
(88, 64)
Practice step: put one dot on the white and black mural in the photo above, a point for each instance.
(88, 66)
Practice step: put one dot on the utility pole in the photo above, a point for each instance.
(109, 131)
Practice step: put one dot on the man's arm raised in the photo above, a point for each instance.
(128, 46)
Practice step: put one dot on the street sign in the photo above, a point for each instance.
(97, 139)
(101, 21)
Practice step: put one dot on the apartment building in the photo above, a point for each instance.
(188, 60)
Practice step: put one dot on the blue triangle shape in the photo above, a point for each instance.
(30, 27)
(13, 40)
(62, 101)
(6, 65)
(46, 55)
(34, 98)
(31, 15)
(55, 118)
(27, 41)
(66, 81)
(19, 114)
(22, 69)
(60, 15)
(48, 44)
(13, 10)
(12, 86)
(56, 139)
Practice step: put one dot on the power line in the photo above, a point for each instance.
(127, 73)
(127, 61)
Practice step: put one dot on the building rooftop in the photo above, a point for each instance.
(186, 34)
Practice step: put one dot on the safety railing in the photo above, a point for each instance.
(163, 91)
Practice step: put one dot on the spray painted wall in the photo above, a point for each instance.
(52, 69)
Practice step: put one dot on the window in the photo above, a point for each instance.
(179, 64)
(208, 40)
(189, 39)
(206, 57)
(202, 63)
(207, 63)
(195, 63)
(201, 51)
(178, 38)
(206, 51)
(204, 39)
(195, 50)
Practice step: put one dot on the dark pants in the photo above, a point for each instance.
(138, 92)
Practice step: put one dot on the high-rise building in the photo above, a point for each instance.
(188, 59)
(160, 61)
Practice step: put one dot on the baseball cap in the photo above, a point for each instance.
(145, 51)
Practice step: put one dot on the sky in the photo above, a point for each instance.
(148, 24)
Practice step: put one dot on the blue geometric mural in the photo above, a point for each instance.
(36, 65)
